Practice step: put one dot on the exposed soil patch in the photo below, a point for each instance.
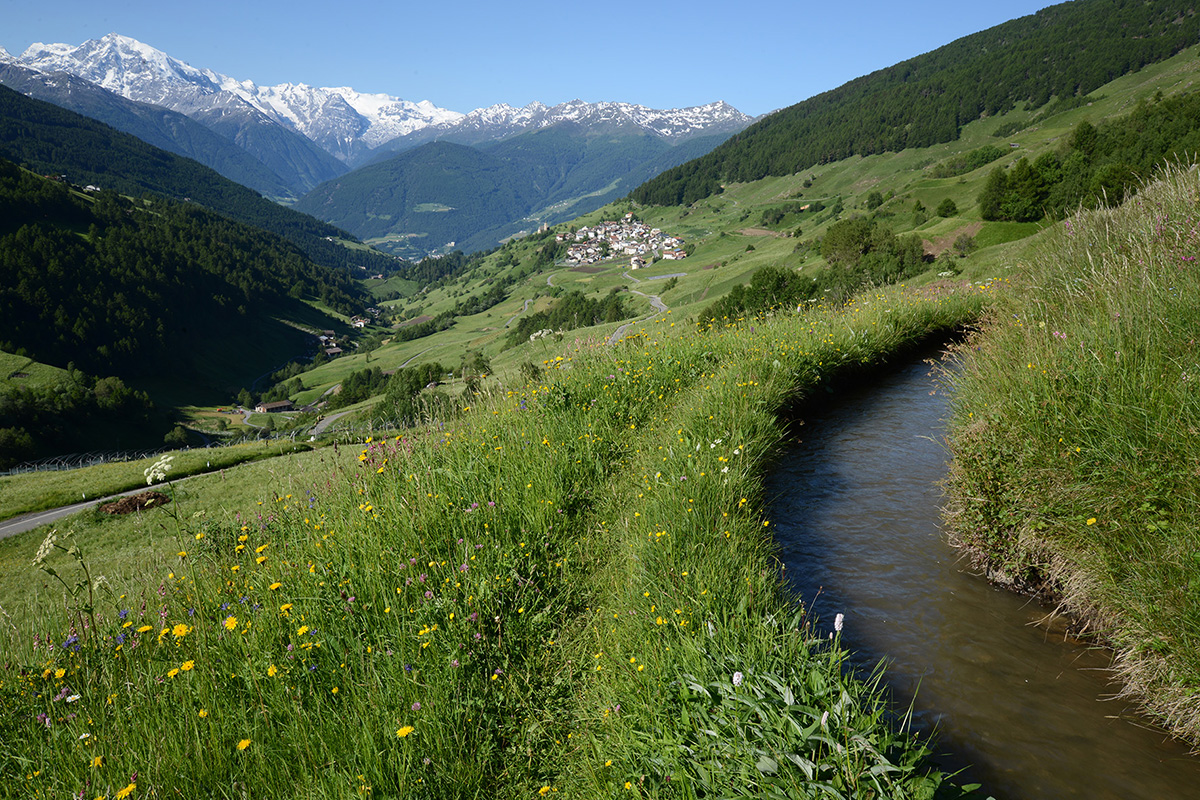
(760, 232)
(590, 270)
(127, 505)
(944, 243)
(414, 321)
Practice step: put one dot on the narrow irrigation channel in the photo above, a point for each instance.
(855, 506)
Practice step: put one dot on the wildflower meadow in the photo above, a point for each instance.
(564, 587)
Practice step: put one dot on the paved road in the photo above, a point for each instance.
(320, 427)
(519, 313)
(27, 522)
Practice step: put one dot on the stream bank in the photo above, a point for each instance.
(1026, 710)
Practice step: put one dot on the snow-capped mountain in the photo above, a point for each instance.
(503, 121)
(672, 124)
(341, 121)
(548, 161)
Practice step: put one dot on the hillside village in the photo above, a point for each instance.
(594, 243)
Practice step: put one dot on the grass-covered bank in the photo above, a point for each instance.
(1076, 436)
(38, 491)
(567, 589)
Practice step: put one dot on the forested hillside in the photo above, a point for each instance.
(53, 141)
(436, 193)
(476, 196)
(154, 125)
(1097, 165)
(135, 288)
(1062, 52)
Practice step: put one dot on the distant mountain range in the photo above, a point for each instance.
(300, 135)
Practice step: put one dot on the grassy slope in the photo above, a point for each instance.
(715, 226)
(530, 563)
(1075, 437)
(37, 491)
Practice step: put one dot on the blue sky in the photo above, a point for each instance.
(758, 55)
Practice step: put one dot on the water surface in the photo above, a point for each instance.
(855, 506)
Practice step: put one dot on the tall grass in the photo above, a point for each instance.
(565, 588)
(1076, 434)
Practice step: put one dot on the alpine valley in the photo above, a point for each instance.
(292, 142)
(500, 523)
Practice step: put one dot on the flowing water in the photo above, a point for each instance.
(855, 507)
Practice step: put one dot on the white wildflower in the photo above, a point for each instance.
(737, 679)
(46, 548)
(158, 470)
(837, 622)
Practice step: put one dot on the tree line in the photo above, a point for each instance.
(77, 414)
(573, 310)
(1096, 165)
(861, 251)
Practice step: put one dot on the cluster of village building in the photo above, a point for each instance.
(625, 238)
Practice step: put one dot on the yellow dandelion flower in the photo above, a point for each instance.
(303, 629)
(128, 790)
(545, 790)
(230, 623)
(59, 673)
(98, 761)
(405, 731)
(172, 673)
(275, 586)
(203, 713)
(1091, 521)
(187, 665)
(271, 670)
(260, 559)
(286, 607)
(180, 630)
(243, 744)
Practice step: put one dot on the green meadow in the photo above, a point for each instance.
(564, 588)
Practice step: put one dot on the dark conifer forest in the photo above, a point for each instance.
(1076, 47)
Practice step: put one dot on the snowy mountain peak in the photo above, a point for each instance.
(340, 120)
(673, 124)
(345, 123)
